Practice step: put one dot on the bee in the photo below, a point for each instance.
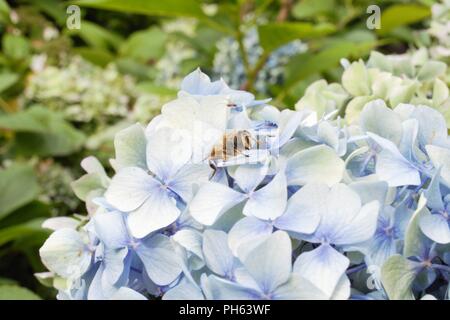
(232, 144)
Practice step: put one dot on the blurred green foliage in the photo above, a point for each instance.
(154, 43)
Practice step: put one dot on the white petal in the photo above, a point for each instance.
(125, 293)
(129, 188)
(160, 262)
(315, 164)
(323, 267)
(218, 256)
(304, 209)
(65, 253)
(158, 211)
(436, 227)
(270, 262)
(247, 232)
(269, 202)
(212, 200)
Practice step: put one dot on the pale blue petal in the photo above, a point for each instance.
(111, 229)
(335, 215)
(167, 151)
(218, 256)
(246, 232)
(370, 190)
(436, 227)
(124, 293)
(270, 262)
(298, 288)
(377, 118)
(287, 125)
(187, 178)
(433, 192)
(212, 200)
(323, 267)
(304, 209)
(249, 176)
(220, 289)
(391, 165)
(198, 83)
(160, 262)
(315, 164)
(441, 159)
(116, 267)
(432, 125)
(269, 202)
(129, 188)
(191, 240)
(408, 142)
(358, 228)
(184, 290)
(158, 211)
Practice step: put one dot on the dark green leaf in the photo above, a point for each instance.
(144, 45)
(7, 80)
(312, 8)
(402, 14)
(15, 46)
(158, 8)
(97, 36)
(273, 35)
(18, 186)
(42, 132)
(13, 292)
(32, 227)
(305, 65)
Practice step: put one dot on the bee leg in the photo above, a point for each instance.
(214, 168)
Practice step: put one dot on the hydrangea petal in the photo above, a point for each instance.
(304, 209)
(218, 256)
(269, 202)
(270, 262)
(66, 253)
(160, 262)
(436, 227)
(158, 211)
(315, 164)
(129, 188)
(111, 229)
(212, 200)
(247, 232)
(323, 267)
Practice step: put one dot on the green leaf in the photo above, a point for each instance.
(32, 210)
(305, 65)
(4, 11)
(42, 132)
(15, 46)
(12, 292)
(397, 276)
(400, 15)
(18, 186)
(54, 8)
(97, 56)
(97, 36)
(20, 231)
(189, 8)
(273, 35)
(144, 45)
(7, 80)
(151, 87)
(311, 8)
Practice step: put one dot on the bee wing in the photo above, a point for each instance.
(245, 157)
